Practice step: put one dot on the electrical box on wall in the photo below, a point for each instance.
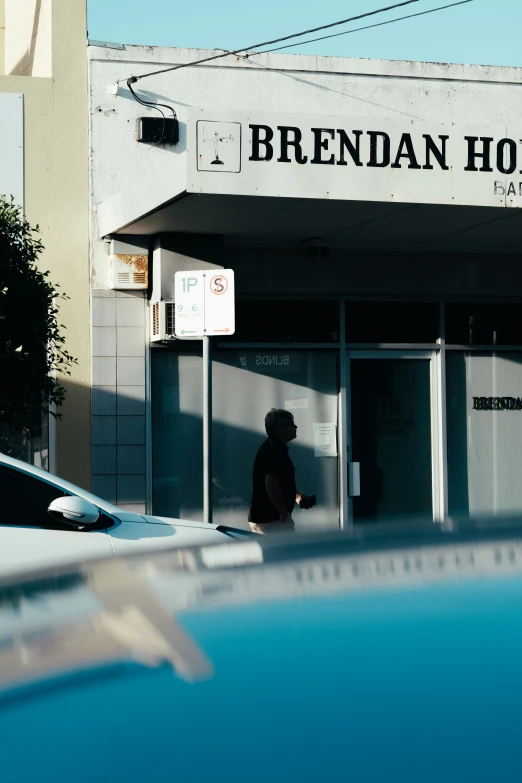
(129, 271)
(162, 321)
(156, 130)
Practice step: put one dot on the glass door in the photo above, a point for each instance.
(390, 438)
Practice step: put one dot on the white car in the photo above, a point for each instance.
(47, 521)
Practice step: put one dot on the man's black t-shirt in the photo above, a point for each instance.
(272, 460)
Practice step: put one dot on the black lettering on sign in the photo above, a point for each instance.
(497, 403)
(391, 431)
(321, 143)
(391, 407)
(379, 157)
(290, 137)
(258, 142)
(406, 151)
(473, 153)
(339, 146)
(513, 188)
(438, 154)
(354, 150)
(507, 148)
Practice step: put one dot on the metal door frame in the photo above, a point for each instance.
(436, 414)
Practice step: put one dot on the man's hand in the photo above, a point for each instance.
(305, 501)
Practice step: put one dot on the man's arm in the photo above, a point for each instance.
(273, 488)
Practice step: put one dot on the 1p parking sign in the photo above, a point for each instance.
(205, 303)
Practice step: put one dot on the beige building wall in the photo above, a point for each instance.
(2, 32)
(28, 45)
(56, 197)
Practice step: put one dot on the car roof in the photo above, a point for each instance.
(330, 656)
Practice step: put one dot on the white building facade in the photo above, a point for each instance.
(371, 213)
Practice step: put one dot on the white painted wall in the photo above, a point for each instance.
(481, 95)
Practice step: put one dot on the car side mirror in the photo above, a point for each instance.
(74, 511)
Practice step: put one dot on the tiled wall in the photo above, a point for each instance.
(118, 397)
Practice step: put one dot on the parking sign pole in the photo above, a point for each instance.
(207, 430)
(205, 307)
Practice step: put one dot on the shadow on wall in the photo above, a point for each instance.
(118, 450)
(119, 458)
(72, 435)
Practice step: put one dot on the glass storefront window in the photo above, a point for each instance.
(246, 384)
(177, 432)
(484, 418)
(392, 322)
(483, 324)
(288, 321)
(390, 409)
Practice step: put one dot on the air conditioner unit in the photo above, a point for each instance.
(128, 272)
(162, 321)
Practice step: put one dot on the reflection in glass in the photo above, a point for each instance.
(391, 438)
(274, 321)
(392, 322)
(246, 384)
(177, 434)
(483, 324)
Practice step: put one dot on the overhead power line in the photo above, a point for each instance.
(134, 79)
(358, 29)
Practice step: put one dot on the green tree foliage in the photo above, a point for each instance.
(32, 352)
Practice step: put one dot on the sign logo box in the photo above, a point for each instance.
(219, 146)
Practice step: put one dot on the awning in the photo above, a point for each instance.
(259, 221)
(230, 181)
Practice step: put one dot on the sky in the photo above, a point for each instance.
(482, 31)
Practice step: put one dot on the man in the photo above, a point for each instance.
(275, 495)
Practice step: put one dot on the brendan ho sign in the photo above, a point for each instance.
(326, 157)
(497, 404)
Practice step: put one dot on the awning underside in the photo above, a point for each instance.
(362, 225)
